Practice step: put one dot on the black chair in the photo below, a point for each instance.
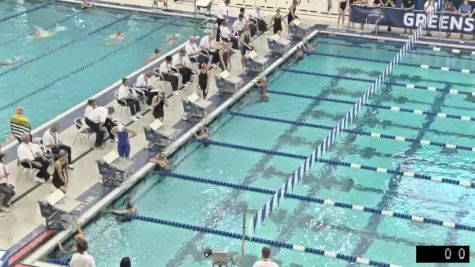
(110, 176)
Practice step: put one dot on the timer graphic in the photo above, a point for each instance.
(442, 254)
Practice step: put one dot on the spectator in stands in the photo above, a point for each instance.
(29, 158)
(465, 10)
(161, 161)
(96, 120)
(408, 5)
(125, 262)
(144, 84)
(204, 78)
(60, 174)
(181, 62)
(266, 260)
(81, 258)
(19, 124)
(225, 57)
(158, 103)
(239, 25)
(194, 53)
(449, 6)
(227, 35)
(131, 101)
(245, 45)
(168, 74)
(51, 141)
(429, 7)
(207, 45)
(277, 19)
(156, 54)
(123, 134)
(221, 17)
(6, 188)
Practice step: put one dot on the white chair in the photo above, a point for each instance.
(122, 103)
(83, 131)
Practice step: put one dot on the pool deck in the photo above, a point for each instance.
(24, 221)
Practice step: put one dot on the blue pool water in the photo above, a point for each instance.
(60, 72)
(356, 233)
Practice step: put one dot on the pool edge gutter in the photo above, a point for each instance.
(141, 173)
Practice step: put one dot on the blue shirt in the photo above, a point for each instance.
(465, 9)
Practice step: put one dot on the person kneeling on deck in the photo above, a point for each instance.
(51, 141)
(60, 175)
(98, 118)
(30, 159)
(129, 210)
(161, 161)
(169, 74)
(6, 189)
(181, 62)
(131, 101)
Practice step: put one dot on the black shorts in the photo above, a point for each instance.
(343, 5)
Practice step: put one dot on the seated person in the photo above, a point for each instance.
(169, 74)
(194, 52)
(207, 45)
(227, 36)
(161, 161)
(98, 118)
(29, 158)
(52, 142)
(144, 84)
(203, 134)
(181, 62)
(131, 101)
(86, 4)
(60, 174)
(239, 24)
(6, 188)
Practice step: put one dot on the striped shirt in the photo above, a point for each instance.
(19, 125)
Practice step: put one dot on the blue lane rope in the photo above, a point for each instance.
(321, 201)
(49, 26)
(390, 108)
(49, 52)
(399, 44)
(400, 85)
(33, 92)
(273, 243)
(26, 11)
(358, 132)
(422, 66)
(464, 183)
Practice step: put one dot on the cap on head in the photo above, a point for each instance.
(19, 110)
(120, 127)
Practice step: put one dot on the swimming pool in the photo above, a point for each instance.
(243, 152)
(61, 71)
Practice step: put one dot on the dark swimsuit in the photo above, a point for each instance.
(291, 17)
(277, 24)
(247, 42)
(57, 182)
(203, 82)
(158, 111)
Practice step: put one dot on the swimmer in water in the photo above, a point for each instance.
(202, 134)
(129, 210)
(86, 4)
(79, 236)
(9, 62)
(161, 160)
(42, 33)
(309, 48)
(171, 39)
(115, 38)
(156, 54)
(262, 85)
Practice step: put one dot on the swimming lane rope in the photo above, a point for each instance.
(464, 183)
(408, 86)
(321, 201)
(358, 132)
(54, 50)
(26, 11)
(35, 91)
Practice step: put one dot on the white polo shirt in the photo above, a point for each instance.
(192, 48)
(82, 260)
(25, 152)
(164, 67)
(206, 44)
(3, 173)
(238, 25)
(222, 11)
(50, 138)
(225, 31)
(123, 92)
(98, 115)
(257, 14)
(88, 110)
(141, 81)
(265, 263)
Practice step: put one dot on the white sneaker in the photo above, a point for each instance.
(71, 167)
(135, 118)
(39, 181)
(176, 93)
(4, 209)
(139, 116)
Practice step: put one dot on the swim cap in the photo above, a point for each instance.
(19, 110)
(120, 128)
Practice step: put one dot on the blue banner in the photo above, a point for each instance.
(396, 17)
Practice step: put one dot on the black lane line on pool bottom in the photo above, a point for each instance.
(26, 11)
